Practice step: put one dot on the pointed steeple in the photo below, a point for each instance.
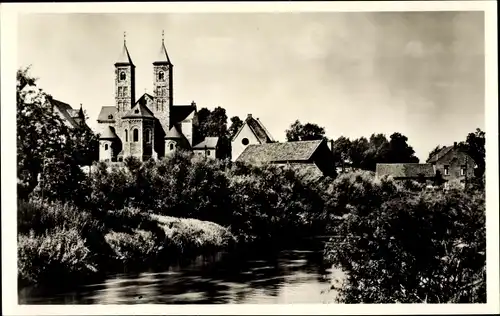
(162, 57)
(124, 58)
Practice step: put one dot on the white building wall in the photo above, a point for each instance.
(237, 145)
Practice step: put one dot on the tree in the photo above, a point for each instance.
(341, 150)
(400, 151)
(474, 145)
(309, 131)
(236, 124)
(357, 152)
(43, 140)
(214, 124)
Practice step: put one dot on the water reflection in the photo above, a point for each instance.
(291, 276)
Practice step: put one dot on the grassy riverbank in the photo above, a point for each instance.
(60, 242)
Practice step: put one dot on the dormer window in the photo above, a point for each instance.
(161, 76)
(123, 76)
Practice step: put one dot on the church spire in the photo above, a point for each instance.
(125, 56)
(162, 57)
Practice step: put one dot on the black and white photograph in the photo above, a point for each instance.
(326, 156)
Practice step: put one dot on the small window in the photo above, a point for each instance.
(125, 91)
(136, 135)
(123, 76)
(148, 136)
(136, 111)
(208, 152)
(462, 171)
(105, 146)
(161, 75)
(126, 135)
(245, 141)
(120, 91)
(171, 146)
(110, 116)
(446, 170)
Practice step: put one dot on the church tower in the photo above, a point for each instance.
(124, 82)
(162, 87)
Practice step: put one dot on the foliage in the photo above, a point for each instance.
(214, 124)
(60, 253)
(308, 131)
(474, 145)
(139, 245)
(236, 124)
(400, 246)
(43, 139)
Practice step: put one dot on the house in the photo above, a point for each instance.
(150, 126)
(422, 172)
(252, 132)
(72, 118)
(309, 156)
(453, 163)
(208, 148)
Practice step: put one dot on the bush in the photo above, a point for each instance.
(60, 253)
(413, 247)
(138, 246)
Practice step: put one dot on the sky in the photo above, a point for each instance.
(354, 73)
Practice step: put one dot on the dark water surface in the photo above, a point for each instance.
(296, 275)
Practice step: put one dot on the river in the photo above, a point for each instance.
(296, 275)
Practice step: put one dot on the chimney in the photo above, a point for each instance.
(249, 116)
(455, 144)
(331, 145)
(193, 103)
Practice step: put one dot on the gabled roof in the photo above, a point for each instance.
(280, 152)
(439, 154)
(107, 114)
(124, 58)
(208, 142)
(257, 128)
(179, 113)
(405, 170)
(139, 110)
(174, 133)
(108, 133)
(143, 98)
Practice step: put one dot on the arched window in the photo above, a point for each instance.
(105, 146)
(123, 76)
(161, 75)
(125, 91)
(148, 136)
(171, 146)
(126, 135)
(136, 135)
(120, 91)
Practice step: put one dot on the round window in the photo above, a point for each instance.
(245, 141)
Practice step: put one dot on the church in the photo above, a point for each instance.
(150, 126)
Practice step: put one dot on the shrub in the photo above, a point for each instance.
(425, 247)
(60, 253)
(138, 246)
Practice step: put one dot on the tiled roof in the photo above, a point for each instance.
(174, 133)
(139, 110)
(307, 171)
(178, 113)
(280, 152)
(208, 142)
(124, 56)
(439, 154)
(65, 110)
(107, 114)
(258, 129)
(405, 170)
(108, 133)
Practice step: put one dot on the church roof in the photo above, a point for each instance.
(300, 151)
(179, 113)
(124, 58)
(143, 98)
(140, 110)
(208, 142)
(162, 57)
(257, 128)
(174, 133)
(108, 133)
(107, 114)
